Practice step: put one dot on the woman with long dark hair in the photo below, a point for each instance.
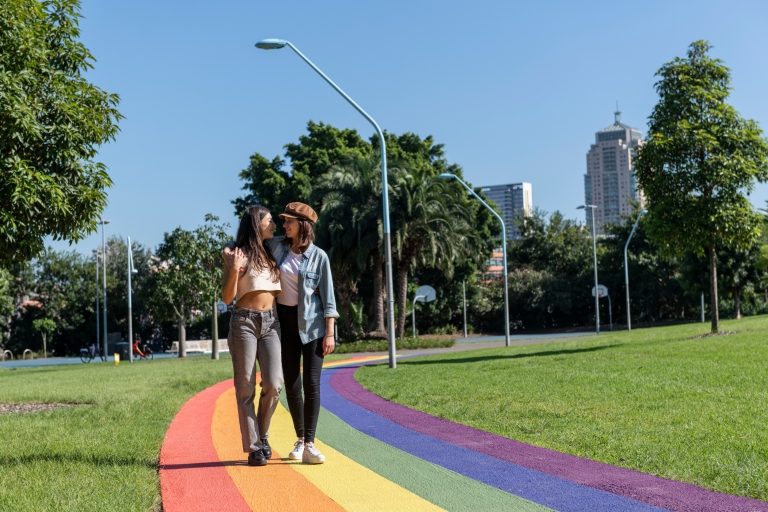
(252, 278)
(306, 308)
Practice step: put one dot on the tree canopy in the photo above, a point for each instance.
(52, 121)
(700, 162)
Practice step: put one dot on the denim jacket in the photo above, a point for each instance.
(314, 272)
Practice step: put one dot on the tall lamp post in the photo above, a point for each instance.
(626, 267)
(104, 267)
(448, 176)
(96, 255)
(276, 44)
(594, 253)
(131, 270)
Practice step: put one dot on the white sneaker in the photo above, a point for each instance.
(312, 455)
(298, 450)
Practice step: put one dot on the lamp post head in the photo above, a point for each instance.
(447, 176)
(643, 212)
(271, 44)
(585, 206)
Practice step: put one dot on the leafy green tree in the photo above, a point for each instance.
(52, 120)
(45, 326)
(187, 273)
(699, 163)
(268, 184)
(7, 306)
(64, 286)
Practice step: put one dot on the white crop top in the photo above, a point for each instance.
(255, 280)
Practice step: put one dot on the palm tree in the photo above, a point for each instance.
(351, 227)
(432, 226)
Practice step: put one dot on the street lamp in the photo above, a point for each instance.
(131, 270)
(96, 255)
(448, 176)
(626, 267)
(594, 253)
(104, 261)
(276, 44)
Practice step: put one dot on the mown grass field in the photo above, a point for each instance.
(654, 400)
(103, 454)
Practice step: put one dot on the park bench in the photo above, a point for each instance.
(200, 346)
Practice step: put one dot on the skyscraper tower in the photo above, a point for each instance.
(610, 180)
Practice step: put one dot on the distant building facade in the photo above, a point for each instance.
(494, 267)
(610, 179)
(514, 200)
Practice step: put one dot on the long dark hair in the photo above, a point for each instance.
(305, 238)
(249, 241)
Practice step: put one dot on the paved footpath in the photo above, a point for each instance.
(385, 456)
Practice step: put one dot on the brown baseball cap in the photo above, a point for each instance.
(299, 211)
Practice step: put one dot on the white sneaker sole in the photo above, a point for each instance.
(313, 461)
(294, 456)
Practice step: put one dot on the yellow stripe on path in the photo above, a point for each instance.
(351, 485)
(275, 486)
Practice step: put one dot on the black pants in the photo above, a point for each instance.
(306, 410)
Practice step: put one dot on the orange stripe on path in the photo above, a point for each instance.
(192, 477)
(276, 486)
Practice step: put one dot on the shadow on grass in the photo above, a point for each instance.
(544, 353)
(96, 460)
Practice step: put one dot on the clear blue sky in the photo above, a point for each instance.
(515, 90)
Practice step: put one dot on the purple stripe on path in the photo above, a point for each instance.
(669, 494)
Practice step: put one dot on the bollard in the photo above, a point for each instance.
(117, 359)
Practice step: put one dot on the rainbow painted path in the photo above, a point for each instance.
(384, 456)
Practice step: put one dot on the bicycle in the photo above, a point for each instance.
(88, 354)
(142, 352)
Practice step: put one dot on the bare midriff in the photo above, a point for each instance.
(260, 300)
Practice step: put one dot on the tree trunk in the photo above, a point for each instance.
(182, 336)
(402, 296)
(215, 331)
(379, 298)
(713, 290)
(45, 348)
(737, 302)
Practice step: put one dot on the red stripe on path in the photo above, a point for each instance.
(192, 478)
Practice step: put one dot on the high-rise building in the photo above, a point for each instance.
(514, 199)
(610, 180)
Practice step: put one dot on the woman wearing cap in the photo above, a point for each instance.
(306, 308)
(251, 276)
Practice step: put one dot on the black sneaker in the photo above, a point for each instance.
(257, 459)
(266, 449)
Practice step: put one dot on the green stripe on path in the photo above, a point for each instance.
(443, 487)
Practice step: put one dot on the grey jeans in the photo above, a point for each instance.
(255, 335)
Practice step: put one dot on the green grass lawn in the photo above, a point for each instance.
(654, 400)
(102, 455)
